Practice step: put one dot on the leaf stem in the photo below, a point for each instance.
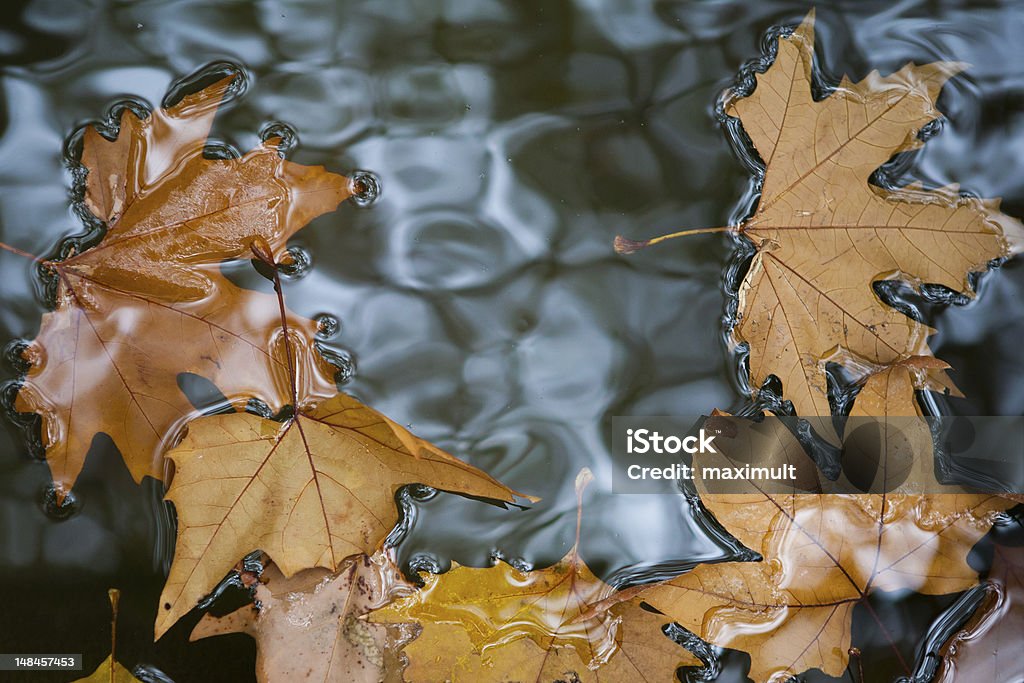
(114, 595)
(19, 252)
(888, 636)
(582, 479)
(624, 245)
(262, 251)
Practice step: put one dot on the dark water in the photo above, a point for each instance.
(479, 298)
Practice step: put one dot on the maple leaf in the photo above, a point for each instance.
(822, 556)
(111, 670)
(308, 626)
(149, 301)
(309, 491)
(503, 624)
(989, 648)
(824, 234)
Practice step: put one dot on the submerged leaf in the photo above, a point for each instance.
(309, 627)
(309, 491)
(149, 301)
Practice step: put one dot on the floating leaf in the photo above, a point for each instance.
(111, 671)
(503, 624)
(309, 491)
(309, 627)
(823, 554)
(149, 301)
(824, 233)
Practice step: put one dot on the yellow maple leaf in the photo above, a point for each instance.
(309, 491)
(502, 624)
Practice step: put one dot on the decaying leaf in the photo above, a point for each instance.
(308, 627)
(309, 491)
(824, 234)
(111, 670)
(989, 648)
(822, 556)
(149, 301)
(503, 624)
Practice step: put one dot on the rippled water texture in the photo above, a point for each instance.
(478, 299)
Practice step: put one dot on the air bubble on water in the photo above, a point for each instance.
(150, 674)
(259, 408)
(422, 563)
(287, 137)
(61, 510)
(421, 493)
(520, 564)
(218, 150)
(14, 355)
(327, 326)
(206, 76)
(365, 187)
(298, 265)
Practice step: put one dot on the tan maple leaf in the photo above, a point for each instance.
(309, 627)
(109, 671)
(309, 491)
(149, 301)
(823, 555)
(502, 624)
(823, 233)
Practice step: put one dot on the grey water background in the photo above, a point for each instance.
(479, 299)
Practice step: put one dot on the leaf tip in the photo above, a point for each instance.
(805, 30)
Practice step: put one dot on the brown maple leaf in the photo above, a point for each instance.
(149, 301)
(309, 491)
(824, 234)
(309, 627)
(823, 555)
(503, 624)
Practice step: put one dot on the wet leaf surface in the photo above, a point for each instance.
(503, 624)
(824, 234)
(823, 555)
(149, 301)
(309, 491)
(309, 627)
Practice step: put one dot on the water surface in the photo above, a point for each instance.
(479, 300)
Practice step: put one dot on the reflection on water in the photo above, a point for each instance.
(478, 300)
